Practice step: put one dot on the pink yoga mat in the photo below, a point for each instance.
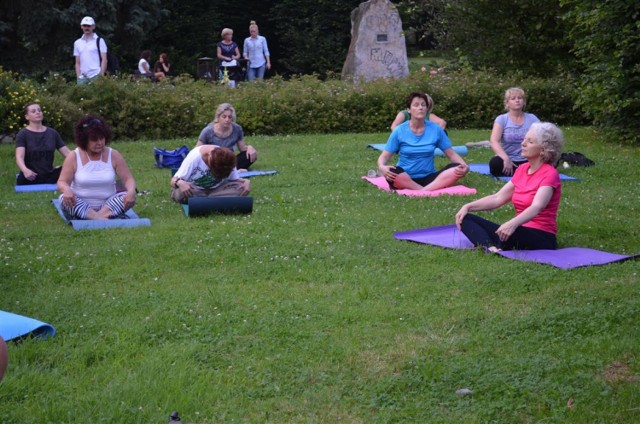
(457, 190)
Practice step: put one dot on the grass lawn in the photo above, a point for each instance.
(308, 310)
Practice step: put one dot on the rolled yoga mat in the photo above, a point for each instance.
(202, 206)
(130, 220)
(30, 188)
(13, 326)
(461, 150)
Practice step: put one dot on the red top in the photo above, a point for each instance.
(526, 187)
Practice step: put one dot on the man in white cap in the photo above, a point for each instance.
(90, 64)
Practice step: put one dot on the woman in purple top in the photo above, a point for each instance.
(508, 133)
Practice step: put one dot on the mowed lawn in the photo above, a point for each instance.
(308, 310)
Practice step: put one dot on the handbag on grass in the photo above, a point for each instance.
(170, 158)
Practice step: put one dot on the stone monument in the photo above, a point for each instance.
(378, 48)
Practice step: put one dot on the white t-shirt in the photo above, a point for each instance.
(87, 50)
(195, 170)
(141, 67)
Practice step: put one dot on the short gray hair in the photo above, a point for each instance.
(550, 138)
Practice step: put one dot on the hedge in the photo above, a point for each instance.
(141, 109)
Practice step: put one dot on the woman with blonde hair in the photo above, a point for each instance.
(224, 132)
(257, 52)
(228, 53)
(508, 132)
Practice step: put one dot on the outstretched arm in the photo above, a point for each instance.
(493, 201)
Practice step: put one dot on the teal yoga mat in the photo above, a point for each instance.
(202, 206)
(461, 150)
(13, 326)
(131, 220)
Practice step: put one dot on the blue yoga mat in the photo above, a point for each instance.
(35, 187)
(483, 168)
(13, 326)
(461, 150)
(249, 174)
(131, 220)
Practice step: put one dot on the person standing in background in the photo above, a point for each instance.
(90, 63)
(257, 52)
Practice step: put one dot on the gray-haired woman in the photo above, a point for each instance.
(535, 192)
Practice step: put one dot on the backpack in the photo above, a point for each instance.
(170, 158)
(575, 158)
(113, 64)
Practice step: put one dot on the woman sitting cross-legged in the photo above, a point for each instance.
(224, 132)
(88, 178)
(535, 193)
(208, 171)
(415, 142)
(36, 145)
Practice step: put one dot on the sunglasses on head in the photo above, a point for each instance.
(92, 123)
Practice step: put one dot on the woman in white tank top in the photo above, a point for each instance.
(87, 180)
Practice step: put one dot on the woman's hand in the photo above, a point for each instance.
(506, 230)
(387, 173)
(246, 186)
(29, 174)
(184, 187)
(464, 210)
(68, 198)
(129, 199)
(252, 154)
(461, 170)
(507, 169)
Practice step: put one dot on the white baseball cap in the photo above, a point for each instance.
(87, 20)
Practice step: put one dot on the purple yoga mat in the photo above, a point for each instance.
(570, 257)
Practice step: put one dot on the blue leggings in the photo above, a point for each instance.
(115, 203)
(482, 232)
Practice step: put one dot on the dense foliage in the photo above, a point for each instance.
(180, 108)
(508, 36)
(607, 44)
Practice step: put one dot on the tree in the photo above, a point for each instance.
(316, 38)
(606, 36)
(37, 36)
(508, 35)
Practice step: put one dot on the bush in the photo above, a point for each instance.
(181, 107)
(15, 94)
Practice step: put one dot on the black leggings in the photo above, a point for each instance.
(424, 181)
(48, 178)
(496, 166)
(482, 232)
(243, 161)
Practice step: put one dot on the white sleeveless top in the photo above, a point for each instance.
(94, 182)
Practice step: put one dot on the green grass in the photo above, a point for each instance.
(308, 310)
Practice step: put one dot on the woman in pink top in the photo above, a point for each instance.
(535, 193)
(88, 178)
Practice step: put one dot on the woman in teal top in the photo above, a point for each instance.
(415, 142)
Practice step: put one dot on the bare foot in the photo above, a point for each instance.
(494, 249)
